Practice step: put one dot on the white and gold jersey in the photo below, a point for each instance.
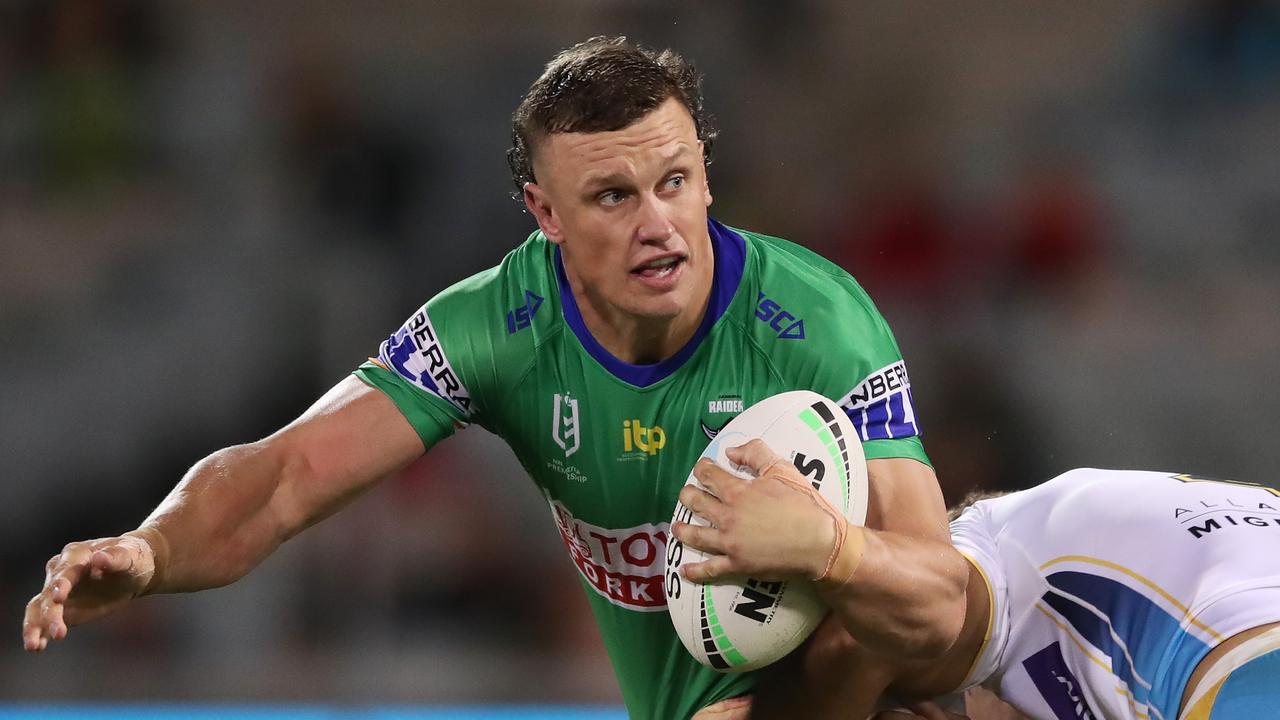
(1109, 586)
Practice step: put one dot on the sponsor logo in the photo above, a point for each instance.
(880, 406)
(1208, 525)
(624, 566)
(725, 404)
(788, 326)
(565, 428)
(1203, 517)
(638, 438)
(415, 353)
(522, 317)
(1057, 685)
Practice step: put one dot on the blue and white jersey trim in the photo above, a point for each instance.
(414, 353)
(881, 407)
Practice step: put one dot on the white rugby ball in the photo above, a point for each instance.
(748, 623)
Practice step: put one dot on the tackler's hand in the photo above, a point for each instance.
(774, 526)
(84, 582)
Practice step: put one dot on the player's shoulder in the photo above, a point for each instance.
(487, 326)
(1110, 477)
(784, 262)
(502, 301)
(800, 295)
(807, 279)
(524, 266)
(1080, 493)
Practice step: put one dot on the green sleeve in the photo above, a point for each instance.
(431, 417)
(907, 447)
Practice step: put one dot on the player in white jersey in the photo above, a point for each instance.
(1098, 594)
(1110, 588)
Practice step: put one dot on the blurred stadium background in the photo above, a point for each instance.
(211, 211)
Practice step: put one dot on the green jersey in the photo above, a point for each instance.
(610, 444)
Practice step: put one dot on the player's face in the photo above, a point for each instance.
(628, 209)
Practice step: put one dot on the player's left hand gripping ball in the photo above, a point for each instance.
(744, 549)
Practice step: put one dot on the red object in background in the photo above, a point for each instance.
(1054, 234)
(902, 244)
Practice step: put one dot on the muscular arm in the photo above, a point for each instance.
(230, 511)
(236, 506)
(903, 590)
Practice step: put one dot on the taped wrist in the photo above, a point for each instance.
(846, 551)
(845, 558)
(159, 555)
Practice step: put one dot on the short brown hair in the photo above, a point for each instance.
(599, 85)
(968, 501)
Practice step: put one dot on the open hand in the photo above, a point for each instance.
(774, 526)
(84, 582)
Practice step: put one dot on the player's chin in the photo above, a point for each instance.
(656, 308)
(658, 302)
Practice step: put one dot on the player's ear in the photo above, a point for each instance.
(706, 177)
(539, 205)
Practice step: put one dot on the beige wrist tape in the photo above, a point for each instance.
(159, 555)
(846, 551)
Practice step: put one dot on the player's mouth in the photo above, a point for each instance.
(660, 273)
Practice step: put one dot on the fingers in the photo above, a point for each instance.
(755, 455)
(33, 638)
(698, 537)
(716, 479)
(111, 559)
(703, 503)
(45, 617)
(65, 575)
(42, 622)
(708, 570)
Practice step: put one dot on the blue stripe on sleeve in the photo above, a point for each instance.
(1123, 619)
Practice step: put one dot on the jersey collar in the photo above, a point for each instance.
(730, 251)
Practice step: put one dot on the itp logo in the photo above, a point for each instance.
(565, 429)
(644, 439)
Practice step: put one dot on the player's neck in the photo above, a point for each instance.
(641, 340)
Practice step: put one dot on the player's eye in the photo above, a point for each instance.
(675, 182)
(611, 198)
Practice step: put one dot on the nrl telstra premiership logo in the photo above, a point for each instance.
(565, 429)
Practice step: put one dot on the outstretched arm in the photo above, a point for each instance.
(230, 511)
(897, 594)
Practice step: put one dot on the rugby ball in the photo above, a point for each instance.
(747, 623)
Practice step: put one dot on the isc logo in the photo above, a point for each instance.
(645, 439)
(522, 317)
(788, 326)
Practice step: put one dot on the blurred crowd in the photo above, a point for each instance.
(211, 212)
